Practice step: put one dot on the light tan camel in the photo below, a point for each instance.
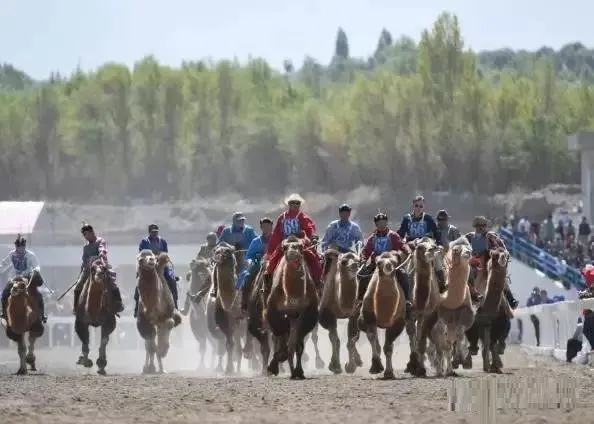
(383, 307)
(291, 308)
(339, 297)
(156, 311)
(225, 306)
(456, 311)
(426, 301)
(23, 316)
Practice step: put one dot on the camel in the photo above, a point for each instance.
(339, 297)
(291, 308)
(224, 309)
(156, 311)
(456, 311)
(492, 321)
(426, 301)
(23, 316)
(95, 309)
(383, 307)
(199, 274)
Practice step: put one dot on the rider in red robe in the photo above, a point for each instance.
(293, 222)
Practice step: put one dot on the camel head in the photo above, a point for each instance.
(499, 259)
(426, 250)
(146, 260)
(19, 287)
(349, 263)
(386, 263)
(98, 271)
(224, 254)
(461, 253)
(293, 248)
(200, 266)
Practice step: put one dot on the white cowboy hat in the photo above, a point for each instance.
(294, 197)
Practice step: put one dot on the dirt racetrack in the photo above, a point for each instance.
(63, 393)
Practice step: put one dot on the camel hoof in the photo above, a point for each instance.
(247, 354)
(163, 371)
(497, 363)
(21, 371)
(298, 374)
(149, 369)
(467, 362)
(376, 366)
(389, 375)
(87, 363)
(335, 367)
(451, 374)
(304, 357)
(473, 350)
(456, 363)
(350, 367)
(101, 363)
(320, 364)
(420, 372)
(81, 360)
(272, 368)
(409, 367)
(101, 371)
(358, 362)
(495, 370)
(229, 371)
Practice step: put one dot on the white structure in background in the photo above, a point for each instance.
(583, 143)
(18, 218)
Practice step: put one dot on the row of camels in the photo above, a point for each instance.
(439, 327)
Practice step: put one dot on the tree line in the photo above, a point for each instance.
(431, 115)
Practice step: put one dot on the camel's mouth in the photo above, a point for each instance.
(293, 256)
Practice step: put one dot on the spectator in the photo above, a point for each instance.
(544, 297)
(535, 299)
(560, 231)
(589, 326)
(575, 343)
(524, 226)
(570, 230)
(584, 231)
(549, 229)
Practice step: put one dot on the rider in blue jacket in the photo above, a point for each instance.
(157, 244)
(254, 256)
(238, 234)
(341, 234)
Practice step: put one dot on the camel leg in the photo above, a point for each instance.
(376, 360)
(82, 331)
(486, 348)
(106, 329)
(306, 323)
(329, 322)
(149, 333)
(30, 357)
(314, 338)
(352, 339)
(292, 345)
(412, 334)
(238, 350)
(391, 335)
(202, 352)
(22, 351)
(423, 330)
(162, 346)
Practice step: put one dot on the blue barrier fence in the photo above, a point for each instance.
(537, 258)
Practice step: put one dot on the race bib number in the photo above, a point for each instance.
(291, 226)
(342, 235)
(417, 229)
(381, 245)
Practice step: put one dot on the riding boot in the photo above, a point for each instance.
(173, 287)
(510, 298)
(75, 300)
(117, 296)
(403, 280)
(41, 306)
(5, 296)
(441, 280)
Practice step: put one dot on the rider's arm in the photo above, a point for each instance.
(226, 236)
(32, 261)
(276, 237)
(144, 244)
(164, 247)
(357, 234)
(328, 236)
(308, 226)
(250, 235)
(397, 243)
(254, 250)
(367, 249)
(404, 225)
(456, 232)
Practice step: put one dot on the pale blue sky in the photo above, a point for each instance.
(43, 35)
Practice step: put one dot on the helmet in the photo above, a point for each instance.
(380, 217)
(86, 227)
(211, 236)
(344, 208)
(20, 241)
(479, 221)
(442, 214)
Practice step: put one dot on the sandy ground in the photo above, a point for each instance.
(61, 392)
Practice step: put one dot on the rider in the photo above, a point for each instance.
(293, 222)
(21, 262)
(341, 234)
(207, 249)
(482, 241)
(382, 240)
(95, 247)
(254, 257)
(447, 232)
(420, 224)
(157, 244)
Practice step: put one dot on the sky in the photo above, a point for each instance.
(41, 36)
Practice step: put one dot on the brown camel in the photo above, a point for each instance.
(426, 301)
(23, 316)
(384, 307)
(291, 308)
(456, 310)
(95, 309)
(199, 276)
(156, 312)
(492, 318)
(339, 297)
(224, 308)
